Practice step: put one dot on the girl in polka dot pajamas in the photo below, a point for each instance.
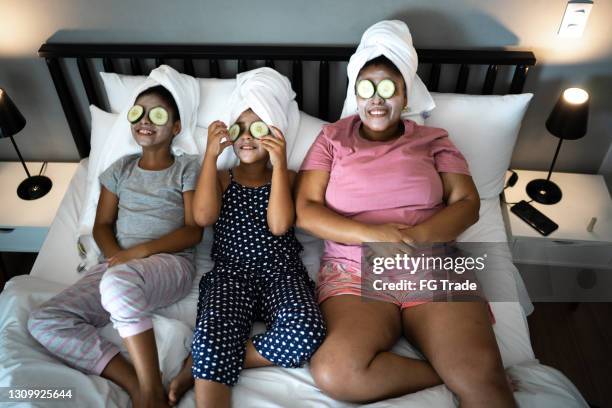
(258, 273)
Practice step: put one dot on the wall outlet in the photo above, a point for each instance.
(575, 18)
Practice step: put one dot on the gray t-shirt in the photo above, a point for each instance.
(150, 201)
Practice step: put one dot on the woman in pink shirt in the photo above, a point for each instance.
(373, 177)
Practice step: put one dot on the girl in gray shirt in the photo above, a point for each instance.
(145, 229)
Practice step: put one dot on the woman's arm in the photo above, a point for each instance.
(281, 210)
(182, 238)
(104, 225)
(314, 217)
(461, 211)
(208, 193)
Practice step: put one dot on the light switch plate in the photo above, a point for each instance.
(575, 19)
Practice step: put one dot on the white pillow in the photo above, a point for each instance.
(58, 258)
(309, 129)
(119, 88)
(484, 128)
(213, 94)
(101, 125)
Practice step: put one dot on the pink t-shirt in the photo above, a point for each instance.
(379, 182)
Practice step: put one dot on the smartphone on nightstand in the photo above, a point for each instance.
(533, 217)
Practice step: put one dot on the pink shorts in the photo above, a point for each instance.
(336, 279)
(341, 279)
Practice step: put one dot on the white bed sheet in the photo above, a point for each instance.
(25, 363)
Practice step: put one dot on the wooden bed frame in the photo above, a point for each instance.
(187, 58)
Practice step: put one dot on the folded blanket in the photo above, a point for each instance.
(268, 93)
(393, 40)
(120, 142)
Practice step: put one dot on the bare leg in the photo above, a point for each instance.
(181, 383)
(129, 293)
(122, 373)
(212, 394)
(354, 363)
(184, 380)
(458, 340)
(253, 359)
(143, 352)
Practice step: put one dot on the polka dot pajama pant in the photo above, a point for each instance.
(231, 299)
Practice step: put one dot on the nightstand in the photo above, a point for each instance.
(24, 224)
(584, 196)
(571, 264)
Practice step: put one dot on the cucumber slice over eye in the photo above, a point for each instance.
(234, 132)
(385, 88)
(159, 116)
(258, 129)
(135, 113)
(365, 89)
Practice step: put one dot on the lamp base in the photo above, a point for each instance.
(544, 191)
(34, 187)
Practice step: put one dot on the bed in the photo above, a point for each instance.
(25, 364)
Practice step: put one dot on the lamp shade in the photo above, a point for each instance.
(11, 120)
(569, 117)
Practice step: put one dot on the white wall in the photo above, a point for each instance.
(522, 24)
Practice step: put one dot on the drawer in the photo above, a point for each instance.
(582, 254)
(22, 239)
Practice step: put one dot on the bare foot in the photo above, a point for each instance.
(512, 383)
(180, 384)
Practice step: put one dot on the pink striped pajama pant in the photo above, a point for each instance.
(67, 325)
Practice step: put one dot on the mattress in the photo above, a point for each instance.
(26, 364)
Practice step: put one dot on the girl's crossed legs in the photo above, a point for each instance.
(229, 303)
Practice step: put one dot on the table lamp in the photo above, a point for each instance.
(568, 120)
(11, 123)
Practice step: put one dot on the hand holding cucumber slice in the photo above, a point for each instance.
(366, 89)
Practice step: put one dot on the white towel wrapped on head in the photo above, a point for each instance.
(269, 94)
(120, 142)
(393, 40)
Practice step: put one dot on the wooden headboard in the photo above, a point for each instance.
(493, 71)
